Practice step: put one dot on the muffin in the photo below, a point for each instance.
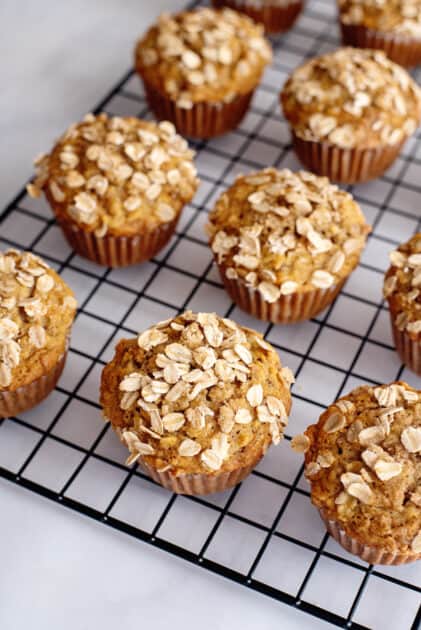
(117, 187)
(276, 16)
(197, 400)
(200, 69)
(393, 26)
(402, 290)
(285, 243)
(350, 113)
(37, 309)
(363, 461)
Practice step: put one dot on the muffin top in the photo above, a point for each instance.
(204, 55)
(195, 394)
(282, 232)
(400, 16)
(402, 286)
(352, 98)
(117, 175)
(37, 309)
(363, 460)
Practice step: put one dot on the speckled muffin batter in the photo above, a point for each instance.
(200, 69)
(37, 309)
(393, 26)
(402, 290)
(196, 396)
(280, 233)
(350, 111)
(363, 461)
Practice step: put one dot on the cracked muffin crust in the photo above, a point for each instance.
(390, 25)
(353, 100)
(363, 461)
(118, 177)
(402, 290)
(201, 68)
(280, 234)
(196, 397)
(37, 309)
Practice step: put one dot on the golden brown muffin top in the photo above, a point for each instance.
(282, 232)
(352, 98)
(204, 55)
(37, 309)
(402, 286)
(363, 461)
(117, 175)
(399, 16)
(196, 393)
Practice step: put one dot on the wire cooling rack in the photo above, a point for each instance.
(264, 534)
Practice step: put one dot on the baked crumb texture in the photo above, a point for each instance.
(197, 400)
(285, 242)
(118, 185)
(200, 68)
(350, 111)
(36, 314)
(393, 26)
(402, 290)
(277, 16)
(363, 461)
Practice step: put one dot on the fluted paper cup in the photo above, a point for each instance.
(117, 251)
(287, 309)
(276, 17)
(347, 166)
(203, 120)
(16, 401)
(400, 48)
(199, 483)
(372, 555)
(407, 346)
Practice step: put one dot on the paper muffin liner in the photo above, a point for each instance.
(117, 251)
(14, 402)
(203, 120)
(400, 48)
(287, 309)
(408, 349)
(276, 17)
(372, 555)
(199, 483)
(347, 166)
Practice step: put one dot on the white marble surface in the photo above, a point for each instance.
(57, 569)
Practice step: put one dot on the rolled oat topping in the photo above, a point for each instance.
(372, 484)
(397, 16)
(402, 286)
(31, 295)
(198, 390)
(281, 232)
(352, 98)
(203, 55)
(117, 174)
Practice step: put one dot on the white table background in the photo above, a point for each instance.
(59, 570)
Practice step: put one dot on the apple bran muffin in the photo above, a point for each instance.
(363, 461)
(197, 400)
(402, 290)
(350, 112)
(117, 186)
(393, 26)
(37, 309)
(285, 243)
(200, 69)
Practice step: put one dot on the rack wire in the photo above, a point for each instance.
(263, 534)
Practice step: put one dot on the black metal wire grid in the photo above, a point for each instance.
(264, 533)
